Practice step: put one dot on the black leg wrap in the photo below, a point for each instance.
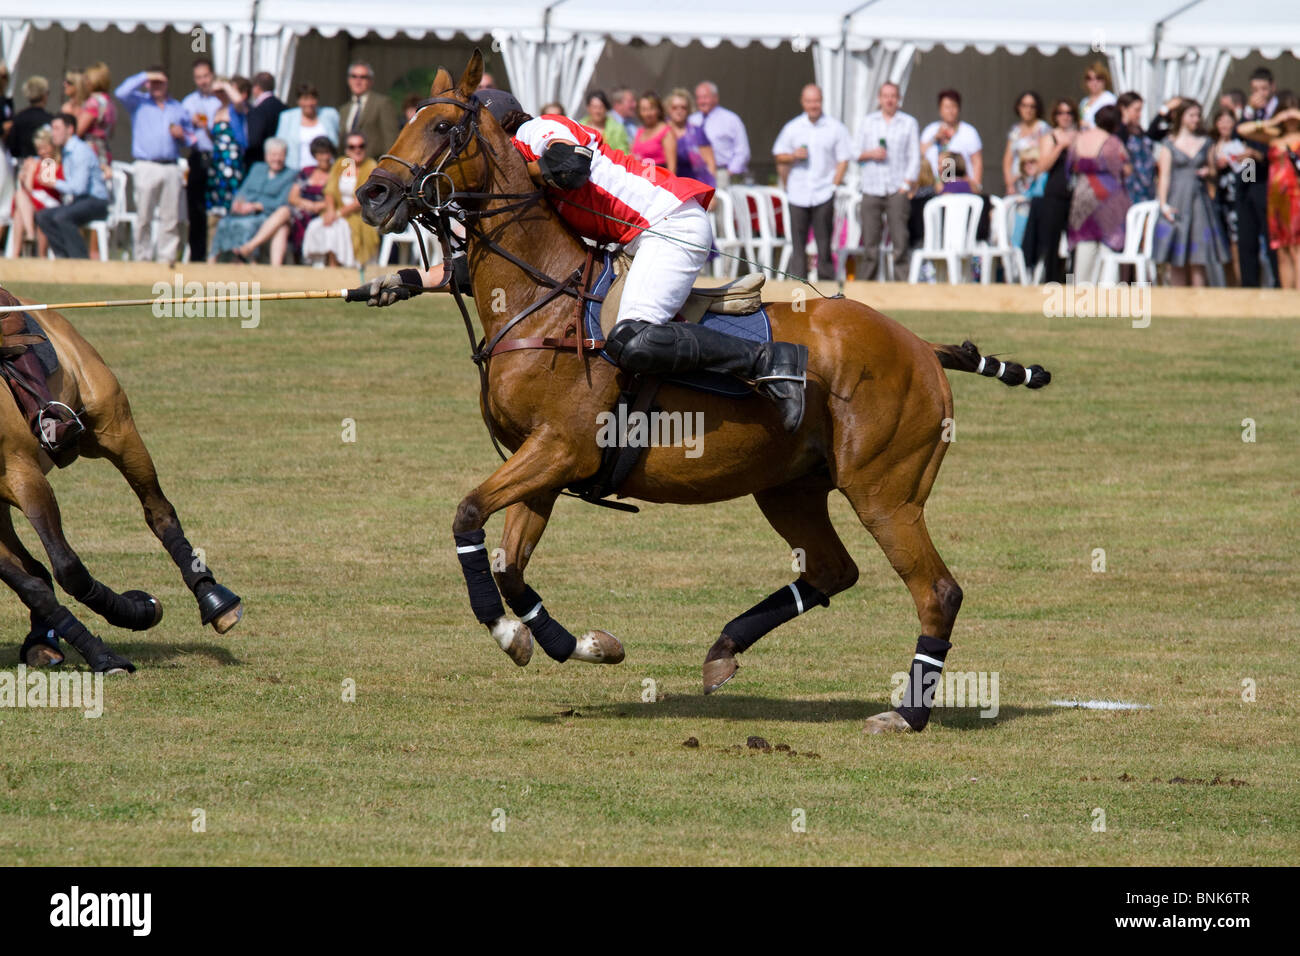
(134, 610)
(922, 680)
(773, 611)
(97, 654)
(484, 598)
(178, 546)
(550, 633)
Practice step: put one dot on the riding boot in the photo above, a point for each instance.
(775, 369)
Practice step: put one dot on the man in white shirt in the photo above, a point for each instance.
(950, 134)
(889, 149)
(813, 152)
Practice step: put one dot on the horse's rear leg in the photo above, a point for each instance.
(50, 620)
(121, 444)
(134, 610)
(798, 513)
(902, 535)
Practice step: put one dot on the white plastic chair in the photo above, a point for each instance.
(1002, 218)
(853, 246)
(410, 240)
(1139, 245)
(950, 225)
(726, 235)
(770, 246)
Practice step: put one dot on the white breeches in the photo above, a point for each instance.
(665, 266)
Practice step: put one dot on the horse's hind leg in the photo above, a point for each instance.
(31, 582)
(900, 530)
(134, 610)
(121, 444)
(798, 513)
(39, 649)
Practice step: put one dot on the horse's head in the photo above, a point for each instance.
(439, 152)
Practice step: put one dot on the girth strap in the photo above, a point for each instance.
(566, 344)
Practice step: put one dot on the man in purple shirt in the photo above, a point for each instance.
(159, 128)
(725, 131)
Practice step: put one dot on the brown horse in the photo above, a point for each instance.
(877, 401)
(84, 381)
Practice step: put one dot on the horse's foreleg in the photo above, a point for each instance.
(122, 445)
(31, 582)
(799, 514)
(134, 610)
(526, 486)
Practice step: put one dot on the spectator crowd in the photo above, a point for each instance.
(256, 178)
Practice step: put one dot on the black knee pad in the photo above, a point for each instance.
(640, 346)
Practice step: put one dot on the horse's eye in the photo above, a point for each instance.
(442, 127)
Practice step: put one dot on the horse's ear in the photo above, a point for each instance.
(442, 83)
(473, 74)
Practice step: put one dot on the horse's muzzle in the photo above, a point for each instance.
(380, 196)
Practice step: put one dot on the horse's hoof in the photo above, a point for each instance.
(220, 607)
(718, 672)
(40, 654)
(150, 604)
(515, 639)
(112, 663)
(226, 620)
(891, 721)
(598, 647)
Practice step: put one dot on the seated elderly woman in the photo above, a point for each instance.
(338, 234)
(264, 190)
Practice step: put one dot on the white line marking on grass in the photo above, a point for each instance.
(1101, 704)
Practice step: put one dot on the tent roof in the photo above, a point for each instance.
(1271, 26)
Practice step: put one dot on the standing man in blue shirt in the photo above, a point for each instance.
(159, 128)
(83, 188)
(200, 106)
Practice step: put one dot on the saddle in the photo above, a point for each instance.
(27, 361)
(743, 296)
(735, 308)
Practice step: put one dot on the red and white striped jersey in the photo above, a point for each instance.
(621, 186)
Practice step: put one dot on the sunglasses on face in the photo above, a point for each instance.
(356, 145)
(358, 76)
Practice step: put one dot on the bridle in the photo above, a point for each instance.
(429, 206)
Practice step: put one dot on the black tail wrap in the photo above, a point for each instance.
(922, 679)
(773, 611)
(966, 358)
(556, 641)
(484, 598)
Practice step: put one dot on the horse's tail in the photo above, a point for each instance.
(966, 358)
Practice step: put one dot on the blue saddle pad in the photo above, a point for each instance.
(756, 328)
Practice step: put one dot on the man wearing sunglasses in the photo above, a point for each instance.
(369, 113)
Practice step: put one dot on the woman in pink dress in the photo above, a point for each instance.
(655, 141)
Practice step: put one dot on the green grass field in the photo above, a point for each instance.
(342, 553)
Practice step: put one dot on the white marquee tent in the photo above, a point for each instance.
(550, 47)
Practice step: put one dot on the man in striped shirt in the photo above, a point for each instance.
(889, 151)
